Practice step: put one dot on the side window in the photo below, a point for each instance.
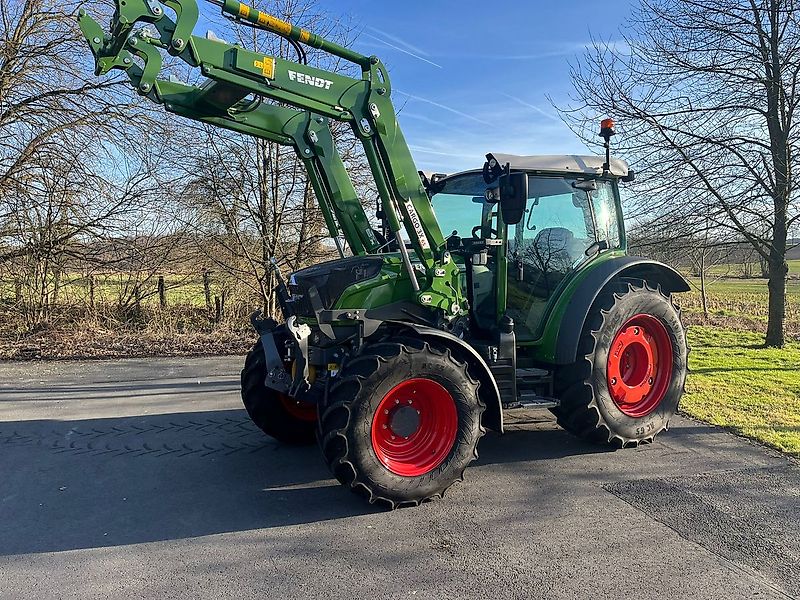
(553, 236)
(556, 231)
(605, 212)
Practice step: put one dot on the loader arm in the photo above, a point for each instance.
(228, 107)
(234, 73)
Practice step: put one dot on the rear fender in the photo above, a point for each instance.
(489, 393)
(582, 300)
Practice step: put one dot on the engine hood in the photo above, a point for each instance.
(320, 286)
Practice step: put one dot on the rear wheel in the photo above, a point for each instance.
(629, 376)
(278, 415)
(402, 422)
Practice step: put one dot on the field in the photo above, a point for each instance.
(735, 382)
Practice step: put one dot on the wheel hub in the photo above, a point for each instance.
(639, 365)
(414, 427)
(404, 420)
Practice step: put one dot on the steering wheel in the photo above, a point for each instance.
(476, 230)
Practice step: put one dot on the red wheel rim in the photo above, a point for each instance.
(639, 366)
(303, 411)
(414, 427)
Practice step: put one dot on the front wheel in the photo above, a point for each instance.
(287, 420)
(631, 369)
(402, 422)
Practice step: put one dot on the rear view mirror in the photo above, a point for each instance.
(513, 196)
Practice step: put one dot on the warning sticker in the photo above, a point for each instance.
(267, 66)
(274, 23)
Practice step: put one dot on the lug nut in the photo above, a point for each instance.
(613, 381)
(635, 331)
(650, 381)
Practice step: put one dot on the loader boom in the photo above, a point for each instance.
(236, 74)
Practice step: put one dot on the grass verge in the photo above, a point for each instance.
(735, 382)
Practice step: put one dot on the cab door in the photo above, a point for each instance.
(550, 243)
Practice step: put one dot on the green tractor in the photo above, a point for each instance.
(398, 356)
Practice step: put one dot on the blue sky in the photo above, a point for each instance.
(473, 77)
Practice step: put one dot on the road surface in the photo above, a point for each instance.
(145, 479)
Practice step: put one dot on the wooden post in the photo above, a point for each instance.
(162, 292)
(91, 291)
(218, 309)
(207, 289)
(703, 283)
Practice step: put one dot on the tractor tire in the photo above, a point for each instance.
(629, 376)
(402, 422)
(276, 414)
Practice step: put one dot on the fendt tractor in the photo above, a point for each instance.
(501, 288)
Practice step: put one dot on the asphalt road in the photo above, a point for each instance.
(145, 479)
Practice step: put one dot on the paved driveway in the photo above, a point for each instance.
(144, 478)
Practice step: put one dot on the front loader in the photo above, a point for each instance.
(501, 288)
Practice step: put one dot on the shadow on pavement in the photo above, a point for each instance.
(105, 482)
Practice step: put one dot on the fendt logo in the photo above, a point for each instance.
(310, 80)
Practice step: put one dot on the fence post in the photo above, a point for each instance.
(218, 309)
(162, 292)
(207, 289)
(91, 291)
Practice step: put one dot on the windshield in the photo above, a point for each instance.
(459, 205)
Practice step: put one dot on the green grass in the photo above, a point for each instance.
(109, 289)
(735, 382)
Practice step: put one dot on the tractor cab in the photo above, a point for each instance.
(570, 218)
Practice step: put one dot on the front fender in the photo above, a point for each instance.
(490, 394)
(570, 325)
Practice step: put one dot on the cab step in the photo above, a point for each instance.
(530, 400)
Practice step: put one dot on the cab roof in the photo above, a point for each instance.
(562, 163)
(554, 163)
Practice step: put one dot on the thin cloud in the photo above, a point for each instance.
(404, 114)
(533, 107)
(444, 107)
(424, 150)
(564, 50)
(403, 50)
(397, 40)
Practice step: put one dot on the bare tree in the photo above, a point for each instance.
(251, 197)
(705, 92)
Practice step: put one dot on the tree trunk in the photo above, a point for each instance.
(777, 302)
